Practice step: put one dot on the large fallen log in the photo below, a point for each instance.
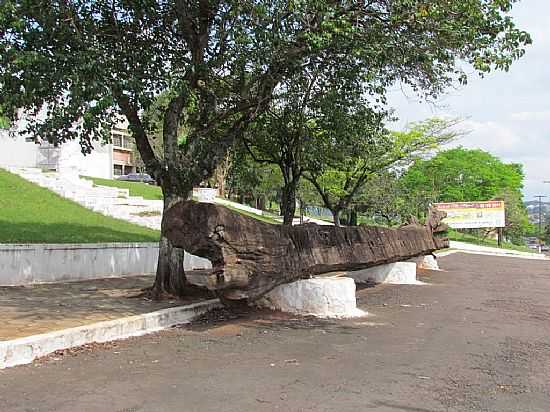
(250, 257)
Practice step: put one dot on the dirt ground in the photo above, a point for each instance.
(477, 338)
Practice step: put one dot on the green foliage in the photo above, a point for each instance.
(365, 151)
(248, 180)
(383, 200)
(462, 175)
(88, 62)
(546, 233)
(31, 214)
(465, 175)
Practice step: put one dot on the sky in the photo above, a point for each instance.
(506, 113)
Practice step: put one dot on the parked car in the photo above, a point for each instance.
(137, 177)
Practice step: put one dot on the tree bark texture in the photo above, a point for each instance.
(250, 257)
(170, 277)
(288, 203)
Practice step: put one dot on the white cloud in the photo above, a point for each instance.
(531, 116)
(491, 136)
(507, 113)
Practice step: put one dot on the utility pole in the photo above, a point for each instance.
(540, 197)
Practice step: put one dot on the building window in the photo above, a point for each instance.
(117, 170)
(117, 139)
(122, 140)
(127, 143)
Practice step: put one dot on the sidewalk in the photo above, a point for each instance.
(487, 250)
(31, 310)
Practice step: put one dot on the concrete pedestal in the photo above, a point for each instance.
(332, 297)
(400, 273)
(428, 262)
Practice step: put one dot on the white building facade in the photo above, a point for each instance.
(106, 160)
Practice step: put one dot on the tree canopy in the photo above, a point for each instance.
(88, 61)
(76, 66)
(361, 150)
(462, 175)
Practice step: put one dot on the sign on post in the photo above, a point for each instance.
(470, 215)
(207, 194)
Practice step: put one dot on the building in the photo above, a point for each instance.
(106, 160)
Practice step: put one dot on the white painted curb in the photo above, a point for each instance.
(520, 255)
(25, 350)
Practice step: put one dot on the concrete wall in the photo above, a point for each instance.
(15, 151)
(99, 163)
(42, 263)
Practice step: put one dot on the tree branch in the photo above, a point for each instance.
(143, 145)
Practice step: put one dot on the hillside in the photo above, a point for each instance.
(31, 214)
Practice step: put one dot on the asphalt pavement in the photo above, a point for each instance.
(476, 338)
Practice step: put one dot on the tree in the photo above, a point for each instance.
(465, 175)
(290, 131)
(84, 63)
(517, 219)
(252, 182)
(546, 234)
(362, 151)
(382, 199)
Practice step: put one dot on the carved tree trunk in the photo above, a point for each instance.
(250, 257)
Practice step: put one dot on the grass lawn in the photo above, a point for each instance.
(154, 193)
(144, 190)
(467, 238)
(32, 214)
(263, 218)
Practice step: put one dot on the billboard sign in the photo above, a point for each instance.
(469, 215)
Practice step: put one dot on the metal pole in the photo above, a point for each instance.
(540, 220)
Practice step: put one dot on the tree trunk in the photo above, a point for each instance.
(288, 203)
(170, 277)
(336, 216)
(353, 217)
(261, 202)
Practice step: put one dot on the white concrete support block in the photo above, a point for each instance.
(398, 273)
(428, 262)
(331, 297)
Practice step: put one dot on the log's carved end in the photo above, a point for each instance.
(434, 222)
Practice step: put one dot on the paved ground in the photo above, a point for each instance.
(30, 310)
(476, 339)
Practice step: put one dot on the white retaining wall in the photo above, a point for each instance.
(43, 263)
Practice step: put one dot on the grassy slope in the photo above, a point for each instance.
(154, 192)
(263, 218)
(467, 238)
(31, 214)
(144, 190)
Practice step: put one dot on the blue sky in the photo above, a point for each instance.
(507, 113)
